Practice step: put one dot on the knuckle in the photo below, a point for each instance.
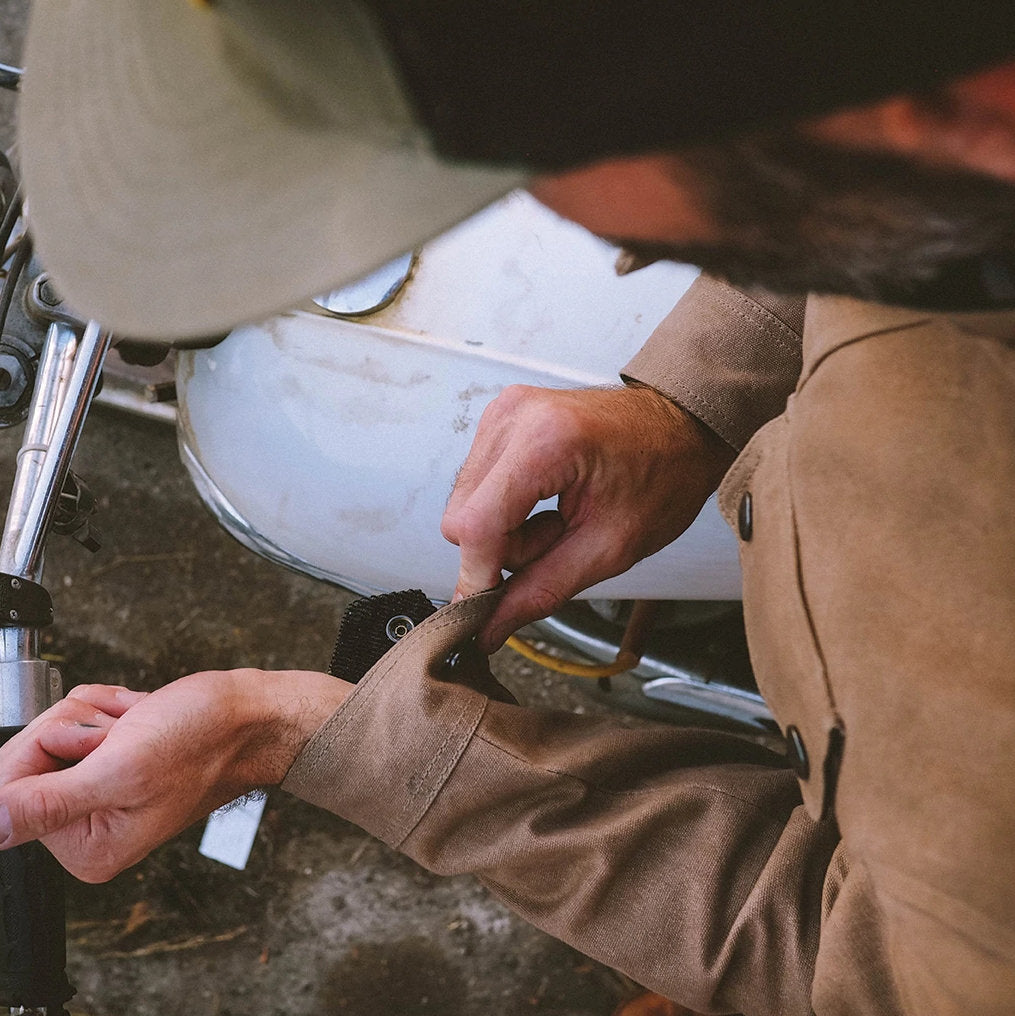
(511, 403)
(512, 396)
(474, 528)
(449, 528)
(93, 870)
(41, 811)
(88, 692)
(543, 600)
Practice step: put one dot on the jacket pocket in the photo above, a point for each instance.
(756, 499)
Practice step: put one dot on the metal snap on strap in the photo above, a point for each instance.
(398, 627)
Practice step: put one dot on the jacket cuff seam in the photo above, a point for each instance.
(418, 803)
(790, 341)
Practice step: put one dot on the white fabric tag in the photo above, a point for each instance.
(230, 832)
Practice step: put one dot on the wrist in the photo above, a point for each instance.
(712, 453)
(277, 713)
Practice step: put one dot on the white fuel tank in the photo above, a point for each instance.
(331, 444)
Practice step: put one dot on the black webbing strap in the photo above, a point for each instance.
(371, 626)
(23, 604)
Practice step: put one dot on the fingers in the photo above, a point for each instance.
(111, 700)
(512, 466)
(35, 806)
(482, 562)
(66, 733)
(488, 529)
(533, 538)
(114, 700)
(69, 740)
(575, 562)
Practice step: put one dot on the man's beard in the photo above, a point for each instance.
(797, 215)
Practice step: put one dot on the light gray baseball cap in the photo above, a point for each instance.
(191, 165)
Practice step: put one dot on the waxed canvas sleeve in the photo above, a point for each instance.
(729, 357)
(682, 857)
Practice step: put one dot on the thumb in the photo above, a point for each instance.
(36, 806)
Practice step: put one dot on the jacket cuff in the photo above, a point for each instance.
(385, 754)
(728, 357)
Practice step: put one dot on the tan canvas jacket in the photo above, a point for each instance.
(690, 860)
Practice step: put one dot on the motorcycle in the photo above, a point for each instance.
(327, 440)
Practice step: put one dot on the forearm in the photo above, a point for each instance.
(107, 774)
(680, 857)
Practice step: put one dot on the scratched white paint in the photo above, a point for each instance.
(332, 444)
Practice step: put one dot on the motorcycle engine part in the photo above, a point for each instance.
(17, 378)
(688, 671)
(28, 685)
(371, 626)
(639, 624)
(142, 354)
(44, 305)
(590, 671)
(18, 357)
(10, 77)
(74, 510)
(24, 604)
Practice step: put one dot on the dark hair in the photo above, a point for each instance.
(795, 214)
(550, 84)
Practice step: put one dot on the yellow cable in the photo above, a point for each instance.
(624, 661)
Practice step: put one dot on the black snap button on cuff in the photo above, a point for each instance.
(745, 517)
(797, 753)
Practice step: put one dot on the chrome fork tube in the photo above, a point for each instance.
(67, 377)
(66, 380)
(33, 975)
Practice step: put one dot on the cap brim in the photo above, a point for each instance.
(169, 200)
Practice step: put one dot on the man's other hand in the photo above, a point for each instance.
(107, 774)
(630, 470)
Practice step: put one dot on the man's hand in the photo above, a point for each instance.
(630, 469)
(107, 774)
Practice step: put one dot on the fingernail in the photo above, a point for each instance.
(6, 827)
(130, 698)
(458, 596)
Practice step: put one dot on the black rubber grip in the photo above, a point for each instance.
(33, 927)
